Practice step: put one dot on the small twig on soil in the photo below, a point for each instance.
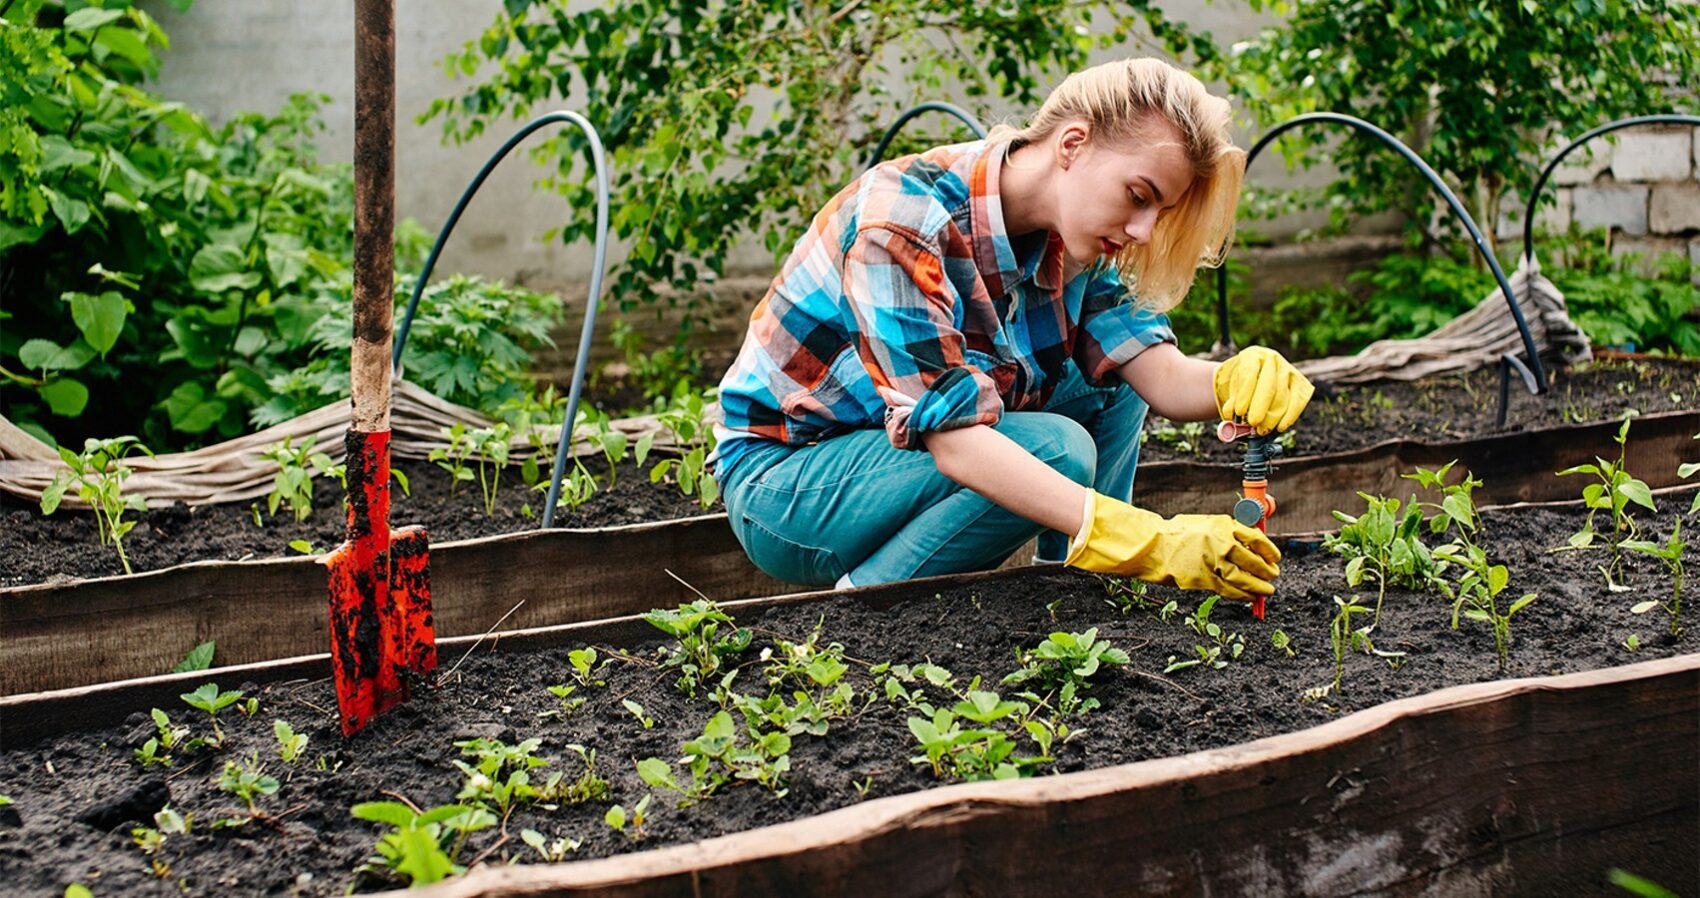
(488, 851)
(444, 678)
(401, 798)
(627, 657)
(1167, 682)
(192, 765)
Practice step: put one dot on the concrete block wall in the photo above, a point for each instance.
(1644, 187)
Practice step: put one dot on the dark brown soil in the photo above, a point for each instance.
(35, 549)
(1452, 408)
(77, 799)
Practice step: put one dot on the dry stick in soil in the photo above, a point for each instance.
(475, 643)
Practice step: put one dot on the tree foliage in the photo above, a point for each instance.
(680, 93)
(1483, 91)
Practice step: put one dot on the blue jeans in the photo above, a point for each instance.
(854, 505)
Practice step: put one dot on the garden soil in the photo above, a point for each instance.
(34, 549)
(76, 799)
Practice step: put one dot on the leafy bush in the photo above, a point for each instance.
(140, 238)
(674, 88)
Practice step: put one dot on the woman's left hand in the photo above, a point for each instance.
(1260, 388)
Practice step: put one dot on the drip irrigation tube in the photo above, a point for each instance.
(1552, 165)
(596, 271)
(958, 112)
(1532, 374)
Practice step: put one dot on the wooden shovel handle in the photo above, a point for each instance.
(374, 212)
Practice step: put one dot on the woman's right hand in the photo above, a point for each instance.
(1191, 551)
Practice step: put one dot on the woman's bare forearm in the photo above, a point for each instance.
(1175, 385)
(1007, 475)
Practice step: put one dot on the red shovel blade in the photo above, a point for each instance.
(380, 594)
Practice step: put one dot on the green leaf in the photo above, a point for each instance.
(1637, 492)
(55, 492)
(615, 817)
(46, 355)
(199, 658)
(220, 266)
(100, 318)
(1643, 607)
(90, 18)
(65, 397)
(72, 213)
(422, 859)
(190, 409)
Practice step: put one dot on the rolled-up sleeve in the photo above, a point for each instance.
(1113, 329)
(910, 339)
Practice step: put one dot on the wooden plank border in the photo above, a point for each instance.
(1517, 787)
(55, 636)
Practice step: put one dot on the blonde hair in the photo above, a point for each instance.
(1121, 102)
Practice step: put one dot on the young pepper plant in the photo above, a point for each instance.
(1671, 554)
(98, 474)
(1613, 492)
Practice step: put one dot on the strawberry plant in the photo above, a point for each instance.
(587, 786)
(290, 744)
(720, 756)
(1613, 492)
(424, 845)
(553, 852)
(636, 710)
(501, 774)
(292, 485)
(154, 751)
(1219, 646)
(247, 781)
(98, 474)
(1671, 554)
(1064, 662)
(208, 698)
(979, 751)
(585, 667)
(701, 650)
(564, 691)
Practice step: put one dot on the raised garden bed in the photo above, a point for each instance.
(70, 634)
(1516, 787)
(1455, 409)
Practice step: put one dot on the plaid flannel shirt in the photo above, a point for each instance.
(908, 280)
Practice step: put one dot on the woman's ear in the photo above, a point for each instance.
(1071, 140)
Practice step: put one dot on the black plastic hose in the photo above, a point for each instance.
(597, 158)
(961, 115)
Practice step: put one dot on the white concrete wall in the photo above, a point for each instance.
(228, 56)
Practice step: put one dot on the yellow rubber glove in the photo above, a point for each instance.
(1192, 551)
(1260, 388)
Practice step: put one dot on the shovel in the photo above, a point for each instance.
(381, 626)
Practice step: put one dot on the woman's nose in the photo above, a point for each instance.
(1139, 227)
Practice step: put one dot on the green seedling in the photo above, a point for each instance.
(150, 754)
(501, 774)
(249, 707)
(1282, 642)
(569, 705)
(553, 852)
(305, 547)
(1065, 662)
(424, 845)
(720, 756)
(290, 744)
(247, 781)
(979, 752)
(453, 457)
(630, 826)
(1615, 490)
(156, 750)
(292, 485)
(1686, 471)
(1385, 546)
(208, 698)
(1219, 646)
(166, 822)
(1126, 594)
(577, 486)
(636, 710)
(585, 666)
(1475, 594)
(587, 786)
(610, 442)
(490, 444)
(1187, 439)
(689, 472)
(1632, 642)
(701, 651)
(1342, 636)
(1671, 554)
(98, 474)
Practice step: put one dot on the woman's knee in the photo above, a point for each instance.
(1056, 440)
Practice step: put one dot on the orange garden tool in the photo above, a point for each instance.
(1255, 505)
(380, 592)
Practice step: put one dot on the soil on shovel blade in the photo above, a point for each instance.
(35, 549)
(76, 800)
(1456, 407)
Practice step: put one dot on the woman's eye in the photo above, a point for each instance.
(1138, 200)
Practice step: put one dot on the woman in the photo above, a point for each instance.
(959, 354)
